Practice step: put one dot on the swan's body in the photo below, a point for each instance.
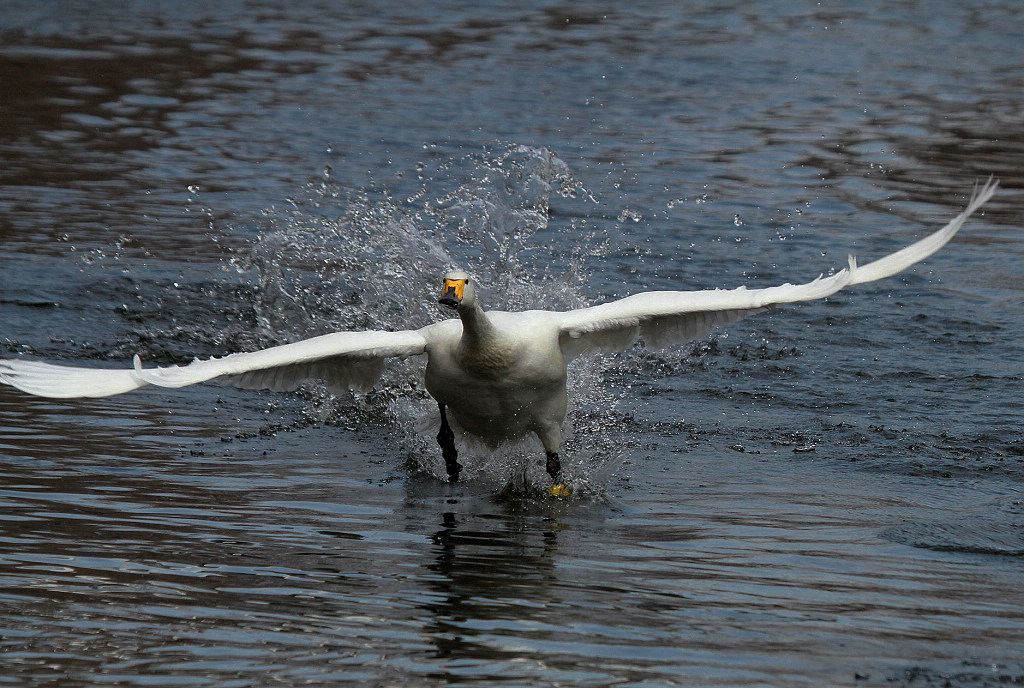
(501, 375)
(504, 384)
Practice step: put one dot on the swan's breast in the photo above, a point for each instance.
(518, 365)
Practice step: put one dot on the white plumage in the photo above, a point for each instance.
(501, 375)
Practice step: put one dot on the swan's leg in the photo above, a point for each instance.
(551, 437)
(554, 466)
(446, 438)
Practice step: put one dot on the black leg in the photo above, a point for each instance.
(558, 488)
(554, 466)
(446, 438)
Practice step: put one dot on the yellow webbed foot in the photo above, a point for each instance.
(560, 490)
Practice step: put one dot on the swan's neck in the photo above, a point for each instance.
(483, 349)
(477, 329)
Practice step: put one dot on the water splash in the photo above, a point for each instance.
(337, 259)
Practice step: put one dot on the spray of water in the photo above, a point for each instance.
(335, 259)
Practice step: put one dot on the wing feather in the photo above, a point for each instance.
(663, 318)
(345, 360)
(66, 382)
(919, 250)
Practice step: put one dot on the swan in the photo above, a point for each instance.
(499, 376)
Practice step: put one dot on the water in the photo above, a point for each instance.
(826, 495)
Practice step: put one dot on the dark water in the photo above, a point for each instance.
(826, 495)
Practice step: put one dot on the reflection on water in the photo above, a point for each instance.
(234, 563)
(829, 495)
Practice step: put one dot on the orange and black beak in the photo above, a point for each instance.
(451, 294)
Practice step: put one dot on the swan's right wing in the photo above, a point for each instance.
(66, 382)
(344, 360)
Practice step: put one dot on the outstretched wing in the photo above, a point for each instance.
(662, 318)
(344, 360)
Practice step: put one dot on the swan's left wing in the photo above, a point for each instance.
(662, 318)
(344, 360)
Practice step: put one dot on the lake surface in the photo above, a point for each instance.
(826, 495)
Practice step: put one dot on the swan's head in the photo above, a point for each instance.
(458, 290)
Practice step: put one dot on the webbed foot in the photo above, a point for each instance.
(559, 490)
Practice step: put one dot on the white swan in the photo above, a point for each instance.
(500, 375)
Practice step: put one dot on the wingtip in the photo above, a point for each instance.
(982, 193)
